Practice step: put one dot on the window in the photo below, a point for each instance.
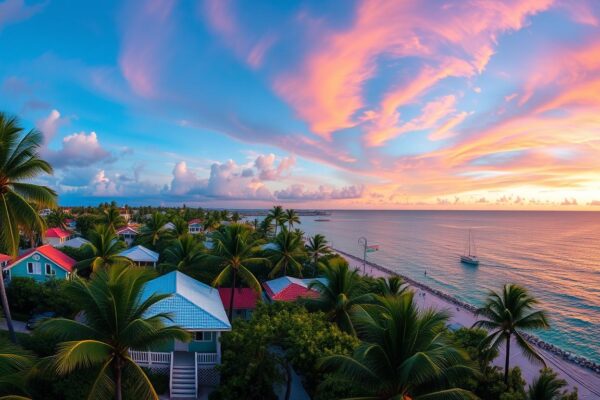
(203, 336)
(34, 268)
(50, 270)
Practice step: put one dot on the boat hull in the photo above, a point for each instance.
(469, 260)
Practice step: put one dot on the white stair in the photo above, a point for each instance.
(183, 382)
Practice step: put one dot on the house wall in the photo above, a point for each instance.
(55, 241)
(204, 347)
(20, 269)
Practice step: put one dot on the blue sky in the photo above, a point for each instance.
(312, 104)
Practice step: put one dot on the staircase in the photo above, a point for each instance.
(183, 376)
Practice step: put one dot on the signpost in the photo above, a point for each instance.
(366, 249)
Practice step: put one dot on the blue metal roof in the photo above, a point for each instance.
(192, 304)
(140, 254)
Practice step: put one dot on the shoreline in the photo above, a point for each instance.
(567, 356)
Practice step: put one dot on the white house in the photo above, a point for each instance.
(75, 242)
(194, 226)
(128, 234)
(141, 256)
(56, 236)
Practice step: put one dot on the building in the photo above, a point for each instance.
(141, 256)
(124, 212)
(41, 264)
(75, 242)
(169, 226)
(128, 234)
(197, 308)
(71, 224)
(288, 288)
(56, 236)
(244, 301)
(4, 260)
(195, 226)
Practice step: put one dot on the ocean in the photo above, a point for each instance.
(555, 255)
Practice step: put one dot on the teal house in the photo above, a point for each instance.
(41, 264)
(197, 308)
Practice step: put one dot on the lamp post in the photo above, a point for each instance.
(363, 242)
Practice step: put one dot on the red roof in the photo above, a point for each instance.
(60, 258)
(244, 298)
(127, 228)
(195, 221)
(57, 233)
(291, 293)
(4, 257)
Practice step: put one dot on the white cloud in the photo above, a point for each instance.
(299, 192)
(79, 149)
(265, 164)
(49, 125)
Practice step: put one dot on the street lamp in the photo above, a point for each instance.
(364, 243)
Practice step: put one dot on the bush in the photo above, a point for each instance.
(251, 365)
(27, 296)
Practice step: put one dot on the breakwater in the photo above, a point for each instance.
(534, 340)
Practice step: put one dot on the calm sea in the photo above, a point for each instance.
(556, 255)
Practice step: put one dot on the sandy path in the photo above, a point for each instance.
(586, 381)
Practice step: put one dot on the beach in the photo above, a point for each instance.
(585, 380)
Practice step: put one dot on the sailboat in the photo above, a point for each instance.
(470, 256)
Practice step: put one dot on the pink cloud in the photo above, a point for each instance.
(144, 48)
(327, 90)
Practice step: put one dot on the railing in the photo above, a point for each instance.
(150, 357)
(206, 358)
(196, 373)
(171, 376)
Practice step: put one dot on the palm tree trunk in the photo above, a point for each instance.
(232, 295)
(507, 359)
(9, 322)
(117, 372)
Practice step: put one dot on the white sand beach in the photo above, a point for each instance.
(586, 381)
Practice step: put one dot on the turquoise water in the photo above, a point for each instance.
(556, 255)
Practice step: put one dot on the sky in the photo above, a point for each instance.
(424, 104)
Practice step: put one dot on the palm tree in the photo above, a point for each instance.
(291, 217)
(114, 320)
(57, 219)
(235, 217)
(14, 365)
(286, 251)
(505, 315)
(153, 230)
(342, 294)
(104, 249)
(180, 228)
(547, 386)
(234, 249)
(276, 216)
(20, 162)
(317, 247)
(392, 286)
(112, 218)
(184, 253)
(404, 354)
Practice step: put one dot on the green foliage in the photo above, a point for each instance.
(470, 339)
(287, 254)
(547, 386)
(86, 222)
(250, 362)
(115, 323)
(79, 254)
(404, 353)
(15, 362)
(28, 296)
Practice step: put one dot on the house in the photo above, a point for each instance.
(124, 212)
(197, 308)
(56, 236)
(128, 234)
(71, 224)
(4, 260)
(42, 263)
(141, 256)
(45, 212)
(244, 301)
(194, 226)
(288, 288)
(75, 242)
(169, 226)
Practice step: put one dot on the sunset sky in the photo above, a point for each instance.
(312, 104)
